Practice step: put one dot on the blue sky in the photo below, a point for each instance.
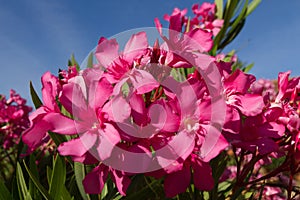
(40, 36)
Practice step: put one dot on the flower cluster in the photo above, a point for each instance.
(204, 18)
(13, 119)
(172, 108)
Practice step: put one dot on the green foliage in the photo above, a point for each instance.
(79, 171)
(4, 192)
(35, 98)
(234, 20)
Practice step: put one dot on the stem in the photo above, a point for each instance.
(269, 175)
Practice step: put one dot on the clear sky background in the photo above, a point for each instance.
(38, 35)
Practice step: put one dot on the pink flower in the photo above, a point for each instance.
(195, 39)
(95, 180)
(13, 119)
(178, 181)
(207, 20)
(236, 90)
(264, 87)
(123, 67)
(205, 10)
(47, 117)
(88, 101)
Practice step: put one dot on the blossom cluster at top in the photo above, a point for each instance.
(130, 108)
(13, 119)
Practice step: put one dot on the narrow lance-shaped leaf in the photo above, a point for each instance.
(37, 183)
(241, 16)
(252, 6)
(65, 194)
(79, 171)
(4, 192)
(73, 62)
(90, 61)
(219, 5)
(35, 98)
(33, 168)
(58, 178)
(248, 67)
(22, 187)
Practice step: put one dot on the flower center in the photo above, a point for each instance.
(191, 124)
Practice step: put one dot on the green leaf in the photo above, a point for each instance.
(241, 16)
(248, 67)
(35, 98)
(33, 167)
(252, 6)
(65, 194)
(73, 62)
(22, 187)
(58, 178)
(90, 61)
(219, 5)
(39, 186)
(4, 192)
(79, 171)
(146, 192)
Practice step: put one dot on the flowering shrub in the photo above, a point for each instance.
(13, 121)
(176, 119)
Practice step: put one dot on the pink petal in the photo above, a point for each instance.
(50, 90)
(198, 39)
(87, 159)
(109, 138)
(239, 82)
(88, 139)
(283, 80)
(34, 135)
(271, 130)
(213, 144)
(107, 51)
(175, 27)
(95, 180)
(73, 147)
(117, 109)
(158, 25)
(60, 124)
(73, 96)
(142, 81)
(203, 178)
(100, 93)
(121, 180)
(136, 46)
(163, 117)
(177, 182)
(232, 122)
(138, 109)
(249, 104)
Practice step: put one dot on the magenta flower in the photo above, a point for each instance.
(236, 91)
(192, 40)
(123, 67)
(95, 180)
(178, 181)
(13, 119)
(88, 101)
(47, 117)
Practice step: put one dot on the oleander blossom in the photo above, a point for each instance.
(130, 114)
(13, 119)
